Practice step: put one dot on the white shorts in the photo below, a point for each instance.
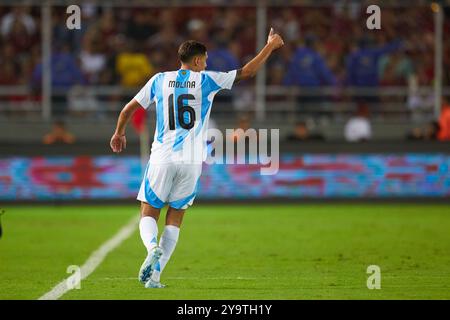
(172, 183)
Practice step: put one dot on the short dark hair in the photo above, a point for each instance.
(190, 49)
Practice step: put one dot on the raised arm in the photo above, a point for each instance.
(274, 41)
(118, 140)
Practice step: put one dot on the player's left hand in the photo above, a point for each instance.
(275, 39)
(118, 143)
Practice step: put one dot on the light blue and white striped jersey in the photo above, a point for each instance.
(183, 100)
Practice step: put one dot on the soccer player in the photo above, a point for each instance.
(183, 100)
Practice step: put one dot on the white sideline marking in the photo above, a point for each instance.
(186, 278)
(95, 259)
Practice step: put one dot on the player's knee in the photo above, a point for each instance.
(149, 211)
(174, 217)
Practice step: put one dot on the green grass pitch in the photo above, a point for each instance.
(311, 251)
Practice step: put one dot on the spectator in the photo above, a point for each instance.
(163, 47)
(18, 14)
(397, 63)
(358, 128)
(362, 65)
(8, 75)
(166, 39)
(417, 100)
(389, 77)
(107, 28)
(308, 68)
(301, 133)
(221, 58)
(140, 26)
(430, 132)
(415, 134)
(92, 59)
(65, 37)
(244, 124)
(291, 26)
(58, 134)
(8, 58)
(444, 121)
(198, 30)
(275, 75)
(65, 73)
(19, 38)
(133, 67)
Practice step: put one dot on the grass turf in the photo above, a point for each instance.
(317, 251)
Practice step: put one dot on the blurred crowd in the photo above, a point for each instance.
(126, 45)
(116, 45)
(325, 46)
(332, 46)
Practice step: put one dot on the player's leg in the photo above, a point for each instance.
(148, 225)
(181, 196)
(148, 230)
(153, 195)
(169, 239)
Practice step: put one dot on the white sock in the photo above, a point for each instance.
(167, 243)
(149, 232)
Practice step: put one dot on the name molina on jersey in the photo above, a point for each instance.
(178, 84)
